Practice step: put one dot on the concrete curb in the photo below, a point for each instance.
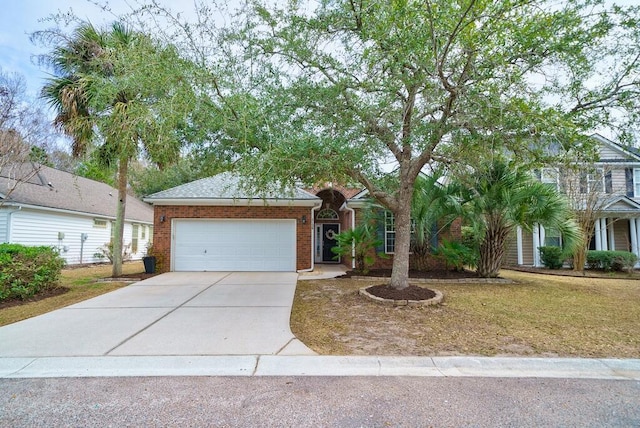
(275, 365)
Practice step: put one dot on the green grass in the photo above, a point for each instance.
(81, 284)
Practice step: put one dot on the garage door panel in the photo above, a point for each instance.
(240, 245)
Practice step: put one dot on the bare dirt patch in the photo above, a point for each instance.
(538, 315)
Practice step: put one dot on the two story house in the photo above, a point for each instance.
(607, 190)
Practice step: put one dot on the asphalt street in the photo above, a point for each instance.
(318, 402)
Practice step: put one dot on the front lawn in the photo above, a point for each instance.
(81, 285)
(540, 315)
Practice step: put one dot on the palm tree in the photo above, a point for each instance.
(436, 203)
(119, 93)
(502, 197)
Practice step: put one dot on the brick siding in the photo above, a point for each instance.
(162, 229)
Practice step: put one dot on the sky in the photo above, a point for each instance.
(19, 18)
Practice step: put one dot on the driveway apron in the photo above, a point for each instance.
(177, 313)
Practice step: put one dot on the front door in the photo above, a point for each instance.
(329, 232)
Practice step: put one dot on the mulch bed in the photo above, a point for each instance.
(51, 292)
(426, 274)
(133, 276)
(412, 292)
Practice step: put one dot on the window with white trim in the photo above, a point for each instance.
(595, 181)
(550, 177)
(636, 182)
(327, 214)
(390, 232)
(134, 238)
(552, 237)
(99, 223)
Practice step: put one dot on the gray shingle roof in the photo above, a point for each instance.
(51, 188)
(228, 185)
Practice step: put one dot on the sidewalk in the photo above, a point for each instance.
(229, 324)
(276, 365)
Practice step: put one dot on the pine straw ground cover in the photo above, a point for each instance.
(75, 285)
(539, 315)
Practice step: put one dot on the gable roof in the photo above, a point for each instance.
(618, 204)
(627, 154)
(45, 187)
(228, 188)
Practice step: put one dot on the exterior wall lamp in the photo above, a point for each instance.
(304, 219)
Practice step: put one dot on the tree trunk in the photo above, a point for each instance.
(580, 254)
(579, 258)
(123, 166)
(402, 216)
(491, 254)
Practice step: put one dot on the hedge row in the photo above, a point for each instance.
(611, 260)
(554, 258)
(25, 271)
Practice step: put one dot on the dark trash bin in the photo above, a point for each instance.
(149, 264)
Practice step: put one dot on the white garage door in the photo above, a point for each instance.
(234, 245)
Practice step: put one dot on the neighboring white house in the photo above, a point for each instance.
(45, 206)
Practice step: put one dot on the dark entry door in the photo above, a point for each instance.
(329, 231)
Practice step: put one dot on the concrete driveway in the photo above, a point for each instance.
(177, 313)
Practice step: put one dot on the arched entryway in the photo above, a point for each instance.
(329, 221)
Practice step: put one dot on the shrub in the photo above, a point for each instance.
(106, 251)
(552, 257)
(364, 244)
(456, 255)
(26, 271)
(611, 260)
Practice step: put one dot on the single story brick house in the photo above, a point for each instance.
(216, 224)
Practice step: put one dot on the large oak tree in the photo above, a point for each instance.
(372, 91)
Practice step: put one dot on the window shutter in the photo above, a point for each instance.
(608, 182)
(434, 237)
(628, 175)
(583, 182)
(380, 231)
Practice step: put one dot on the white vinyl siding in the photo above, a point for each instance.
(34, 228)
(234, 245)
(607, 152)
(4, 218)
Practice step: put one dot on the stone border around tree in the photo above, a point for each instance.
(437, 299)
(443, 281)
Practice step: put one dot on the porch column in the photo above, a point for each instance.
(536, 244)
(603, 233)
(519, 245)
(612, 235)
(634, 235)
(637, 222)
(598, 235)
(543, 236)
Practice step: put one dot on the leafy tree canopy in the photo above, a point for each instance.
(347, 90)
